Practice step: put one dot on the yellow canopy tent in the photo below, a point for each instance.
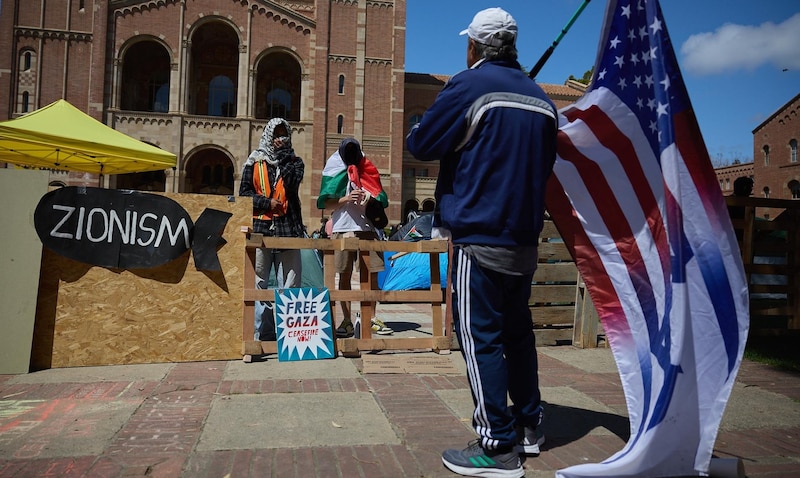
(60, 136)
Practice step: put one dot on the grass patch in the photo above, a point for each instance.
(781, 352)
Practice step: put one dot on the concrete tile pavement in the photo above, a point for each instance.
(327, 419)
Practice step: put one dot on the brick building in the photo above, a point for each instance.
(775, 169)
(200, 78)
(726, 176)
(775, 164)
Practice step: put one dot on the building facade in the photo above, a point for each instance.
(775, 169)
(200, 78)
(727, 175)
(775, 164)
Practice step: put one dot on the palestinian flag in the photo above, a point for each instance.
(413, 235)
(335, 177)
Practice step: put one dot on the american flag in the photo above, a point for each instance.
(636, 199)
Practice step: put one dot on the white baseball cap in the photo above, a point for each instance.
(487, 23)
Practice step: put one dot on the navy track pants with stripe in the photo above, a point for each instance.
(495, 332)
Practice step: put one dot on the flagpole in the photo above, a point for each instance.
(546, 55)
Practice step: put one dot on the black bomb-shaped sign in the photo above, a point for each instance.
(126, 229)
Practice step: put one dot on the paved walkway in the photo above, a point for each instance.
(328, 419)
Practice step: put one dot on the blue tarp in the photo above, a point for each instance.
(410, 271)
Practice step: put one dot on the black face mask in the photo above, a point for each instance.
(352, 156)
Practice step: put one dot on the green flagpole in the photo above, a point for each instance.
(546, 56)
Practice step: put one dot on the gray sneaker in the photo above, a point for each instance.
(475, 460)
(530, 439)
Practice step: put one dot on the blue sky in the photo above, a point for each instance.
(740, 59)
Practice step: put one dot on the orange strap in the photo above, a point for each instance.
(276, 191)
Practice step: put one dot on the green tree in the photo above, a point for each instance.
(587, 77)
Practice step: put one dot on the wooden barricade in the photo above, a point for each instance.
(560, 307)
(771, 258)
(441, 321)
(587, 331)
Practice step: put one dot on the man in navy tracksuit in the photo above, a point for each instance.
(494, 132)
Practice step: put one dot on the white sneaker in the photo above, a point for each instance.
(378, 327)
(531, 439)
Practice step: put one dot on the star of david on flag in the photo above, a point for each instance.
(637, 202)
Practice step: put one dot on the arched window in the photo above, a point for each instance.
(213, 70)
(145, 78)
(793, 151)
(766, 155)
(27, 80)
(278, 87)
(221, 94)
(209, 171)
(766, 192)
(794, 187)
(339, 124)
(341, 84)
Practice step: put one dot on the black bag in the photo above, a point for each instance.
(376, 214)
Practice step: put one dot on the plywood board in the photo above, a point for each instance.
(90, 315)
(413, 363)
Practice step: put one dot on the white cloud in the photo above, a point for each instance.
(733, 47)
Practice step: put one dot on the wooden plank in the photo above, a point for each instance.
(357, 295)
(769, 288)
(553, 251)
(771, 249)
(349, 243)
(549, 230)
(587, 322)
(398, 343)
(248, 308)
(785, 310)
(553, 336)
(410, 296)
(559, 272)
(554, 315)
(755, 201)
(368, 285)
(769, 269)
(545, 293)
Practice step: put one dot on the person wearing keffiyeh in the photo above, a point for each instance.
(272, 176)
(349, 180)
